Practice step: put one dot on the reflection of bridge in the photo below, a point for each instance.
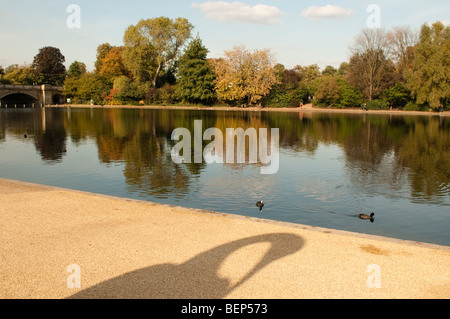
(18, 95)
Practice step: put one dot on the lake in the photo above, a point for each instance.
(332, 166)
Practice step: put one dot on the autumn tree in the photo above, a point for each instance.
(153, 45)
(399, 41)
(49, 65)
(102, 50)
(244, 76)
(290, 91)
(111, 64)
(429, 78)
(196, 76)
(369, 68)
(327, 93)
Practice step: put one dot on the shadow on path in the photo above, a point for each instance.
(197, 278)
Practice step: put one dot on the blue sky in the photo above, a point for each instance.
(301, 32)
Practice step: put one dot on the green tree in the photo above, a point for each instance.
(70, 88)
(94, 87)
(21, 75)
(290, 92)
(343, 69)
(76, 69)
(429, 78)
(89, 86)
(336, 92)
(154, 44)
(139, 56)
(2, 79)
(49, 65)
(126, 91)
(196, 76)
(308, 74)
(397, 95)
(329, 70)
(348, 95)
(11, 68)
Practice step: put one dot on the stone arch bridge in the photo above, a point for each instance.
(12, 95)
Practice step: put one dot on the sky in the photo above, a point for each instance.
(301, 32)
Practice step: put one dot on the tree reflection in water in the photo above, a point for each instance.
(387, 149)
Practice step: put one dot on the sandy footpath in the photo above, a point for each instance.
(52, 239)
(305, 108)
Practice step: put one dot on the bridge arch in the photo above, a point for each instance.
(18, 99)
(58, 98)
(44, 94)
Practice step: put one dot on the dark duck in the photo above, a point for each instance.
(365, 216)
(260, 204)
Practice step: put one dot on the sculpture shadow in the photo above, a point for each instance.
(196, 278)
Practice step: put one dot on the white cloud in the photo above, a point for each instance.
(240, 12)
(326, 12)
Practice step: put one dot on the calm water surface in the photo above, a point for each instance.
(332, 166)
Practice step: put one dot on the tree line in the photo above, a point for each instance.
(160, 62)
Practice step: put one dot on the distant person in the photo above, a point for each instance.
(364, 107)
(441, 109)
(301, 104)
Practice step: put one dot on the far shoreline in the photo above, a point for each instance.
(306, 108)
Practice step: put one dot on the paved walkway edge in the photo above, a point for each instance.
(260, 220)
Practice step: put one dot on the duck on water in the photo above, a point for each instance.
(260, 204)
(365, 216)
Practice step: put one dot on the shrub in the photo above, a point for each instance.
(411, 106)
(397, 95)
(327, 93)
(377, 105)
(349, 96)
(288, 98)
